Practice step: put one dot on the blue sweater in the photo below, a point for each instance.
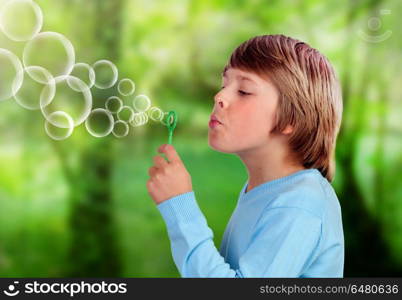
(287, 227)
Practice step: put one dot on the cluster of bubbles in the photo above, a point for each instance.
(49, 79)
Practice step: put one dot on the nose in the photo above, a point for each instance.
(219, 100)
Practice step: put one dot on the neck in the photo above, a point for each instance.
(266, 165)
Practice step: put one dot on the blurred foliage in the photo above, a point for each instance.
(80, 207)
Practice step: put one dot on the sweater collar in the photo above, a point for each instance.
(275, 183)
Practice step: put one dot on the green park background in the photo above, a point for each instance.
(80, 207)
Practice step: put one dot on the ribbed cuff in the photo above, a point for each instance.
(182, 208)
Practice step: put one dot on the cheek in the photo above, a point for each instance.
(252, 121)
(248, 126)
(252, 131)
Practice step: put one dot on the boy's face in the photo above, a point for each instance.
(245, 108)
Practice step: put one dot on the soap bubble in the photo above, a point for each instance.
(21, 20)
(155, 114)
(11, 74)
(139, 119)
(165, 118)
(52, 51)
(114, 104)
(126, 87)
(99, 123)
(84, 72)
(120, 129)
(31, 91)
(59, 133)
(141, 103)
(106, 74)
(72, 96)
(145, 118)
(126, 113)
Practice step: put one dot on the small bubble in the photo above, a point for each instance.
(126, 114)
(114, 104)
(165, 118)
(120, 129)
(139, 119)
(106, 74)
(99, 123)
(155, 114)
(141, 103)
(59, 133)
(126, 87)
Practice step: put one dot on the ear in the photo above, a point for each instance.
(288, 130)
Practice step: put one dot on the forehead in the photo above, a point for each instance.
(241, 75)
(246, 76)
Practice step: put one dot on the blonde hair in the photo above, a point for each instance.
(310, 96)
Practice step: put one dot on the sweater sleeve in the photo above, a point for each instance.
(282, 244)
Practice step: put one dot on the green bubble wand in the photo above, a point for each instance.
(171, 122)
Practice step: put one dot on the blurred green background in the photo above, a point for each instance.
(80, 207)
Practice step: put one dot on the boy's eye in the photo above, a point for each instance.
(243, 93)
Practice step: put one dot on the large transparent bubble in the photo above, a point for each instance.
(106, 74)
(99, 123)
(72, 96)
(21, 20)
(114, 104)
(126, 114)
(59, 133)
(11, 74)
(139, 119)
(141, 103)
(126, 87)
(155, 114)
(120, 129)
(52, 51)
(31, 91)
(84, 72)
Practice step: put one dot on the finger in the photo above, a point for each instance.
(160, 162)
(170, 153)
(152, 171)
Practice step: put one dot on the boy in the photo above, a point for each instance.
(279, 111)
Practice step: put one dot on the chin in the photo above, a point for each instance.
(213, 143)
(217, 145)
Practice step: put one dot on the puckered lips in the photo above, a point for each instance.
(214, 122)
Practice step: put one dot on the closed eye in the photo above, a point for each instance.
(243, 93)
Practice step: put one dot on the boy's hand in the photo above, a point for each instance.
(168, 178)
